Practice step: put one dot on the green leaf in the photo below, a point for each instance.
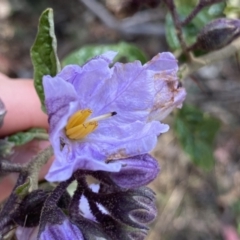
(126, 51)
(44, 52)
(21, 138)
(191, 30)
(196, 132)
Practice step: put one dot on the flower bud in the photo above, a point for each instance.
(117, 230)
(56, 226)
(136, 171)
(217, 34)
(29, 210)
(133, 207)
(91, 230)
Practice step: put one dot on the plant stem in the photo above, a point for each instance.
(202, 4)
(35, 165)
(207, 59)
(172, 8)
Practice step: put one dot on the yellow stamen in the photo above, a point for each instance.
(79, 126)
(81, 130)
(78, 118)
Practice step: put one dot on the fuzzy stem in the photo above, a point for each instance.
(57, 193)
(35, 165)
(7, 167)
(74, 205)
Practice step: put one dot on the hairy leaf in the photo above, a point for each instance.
(196, 132)
(44, 52)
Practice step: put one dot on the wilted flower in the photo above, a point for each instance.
(97, 113)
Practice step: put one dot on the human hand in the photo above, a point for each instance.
(23, 112)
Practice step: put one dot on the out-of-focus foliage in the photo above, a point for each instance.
(236, 210)
(191, 30)
(232, 9)
(127, 8)
(44, 52)
(126, 51)
(196, 131)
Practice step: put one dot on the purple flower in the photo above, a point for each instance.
(97, 113)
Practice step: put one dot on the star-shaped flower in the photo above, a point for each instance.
(98, 114)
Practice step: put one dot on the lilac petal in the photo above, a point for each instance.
(90, 80)
(129, 83)
(58, 95)
(162, 62)
(69, 73)
(92, 154)
(107, 56)
(80, 157)
(137, 171)
(138, 139)
(169, 94)
(27, 233)
(64, 231)
(61, 102)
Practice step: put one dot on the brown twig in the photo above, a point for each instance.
(172, 9)
(202, 4)
(132, 25)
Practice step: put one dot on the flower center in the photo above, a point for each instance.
(79, 127)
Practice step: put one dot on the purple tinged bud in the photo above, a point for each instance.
(217, 34)
(135, 207)
(64, 231)
(116, 230)
(136, 171)
(55, 225)
(91, 230)
(142, 216)
(138, 235)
